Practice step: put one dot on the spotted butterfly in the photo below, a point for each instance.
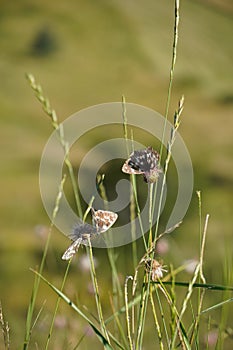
(144, 162)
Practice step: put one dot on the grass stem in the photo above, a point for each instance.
(96, 292)
(28, 328)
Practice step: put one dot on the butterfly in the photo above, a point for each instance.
(102, 221)
(145, 162)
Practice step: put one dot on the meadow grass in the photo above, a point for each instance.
(142, 296)
(138, 298)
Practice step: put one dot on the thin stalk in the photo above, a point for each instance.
(172, 69)
(132, 198)
(200, 217)
(141, 320)
(96, 292)
(185, 304)
(157, 326)
(119, 324)
(203, 280)
(133, 228)
(228, 277)
(125, 125)
(59, 128)
(196, 324)
(134, 191)
(161, 311)
(111, 254)
(134, 250)
(5, 329)
(133, 181)
(127, 313)
(173, 303)
(117, 293)
(57, 305)
(35, 289)
(178, 323)
(142, 313)
(143, 306)
(177, 116)
(150, 190)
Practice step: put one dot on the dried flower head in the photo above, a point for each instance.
(155, 268)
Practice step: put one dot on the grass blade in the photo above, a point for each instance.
(197, 285)
(35, 289)
(5, 329)
(99, 335)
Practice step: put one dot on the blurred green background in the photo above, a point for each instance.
(90, 52)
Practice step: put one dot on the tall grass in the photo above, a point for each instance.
(147, 294)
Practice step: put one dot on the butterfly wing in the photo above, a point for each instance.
(103, 219)
(128, 169)
(73, 248)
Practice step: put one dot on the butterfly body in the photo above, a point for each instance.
(81, 230)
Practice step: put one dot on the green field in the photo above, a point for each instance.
(95, 52)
